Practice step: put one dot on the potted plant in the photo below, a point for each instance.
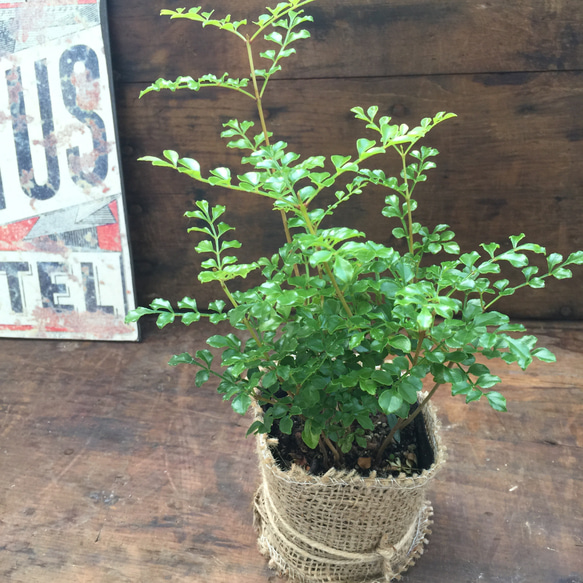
(332, 349)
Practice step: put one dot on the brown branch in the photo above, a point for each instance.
(402, 423)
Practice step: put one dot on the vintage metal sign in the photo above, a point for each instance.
(64, 255)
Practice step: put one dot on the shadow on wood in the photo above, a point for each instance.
(114, 468)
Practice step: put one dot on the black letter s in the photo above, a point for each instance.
(86, 55)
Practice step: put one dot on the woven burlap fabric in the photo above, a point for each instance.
(342, 527)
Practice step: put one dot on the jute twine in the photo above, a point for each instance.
(341, 527)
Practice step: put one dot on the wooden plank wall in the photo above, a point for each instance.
(510, 163)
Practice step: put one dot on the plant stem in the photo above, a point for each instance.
(303, 208)
(259, 103)
(402, 423)
(420, 408)
(334, 451)
(256, 90)
(233, 301)
(312, 230)
(409, 211)
(419, 347)
(338, 291)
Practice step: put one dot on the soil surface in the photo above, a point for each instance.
(411, 454)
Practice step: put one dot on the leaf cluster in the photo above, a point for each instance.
(342, 328)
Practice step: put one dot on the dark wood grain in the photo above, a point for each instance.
(356, 38)
(114, 468)
(508, 164)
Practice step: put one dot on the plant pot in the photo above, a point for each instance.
(341, 527)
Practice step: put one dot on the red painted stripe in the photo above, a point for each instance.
(12, 235)
(108, 235)
(14, 327)
(56, 329)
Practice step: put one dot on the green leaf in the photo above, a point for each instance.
(501, 284)
(382, 377)
(183, 358)
(135, 315)
(451, 247)
(191, 165)
(190, 317)
(468, 259)
(400, 342)
(202, 376)
(241, 403)
(343, 269)
(339, 161)
(218, 341)
(321, 256)
(520, 350)
(368, 385)
(409, 387)
(473, 394)
(222, 174)
(458, 357)
(164, 319)
(256, 427)
(515, 259)
(478, 369)
(562, 273)
(390, 401)
(160, 304)
(311, 434)
(435, 357)
(490, 248)
(515, 239)
(554, 259)
(497, 401)
(286, 425)
(575, 258)
(205, 246)
(355, 339)
(487, 381)
(275, 37)
(187, 303)
(537, 283)
(372, 111)
(155, 161)
(491, 319)
(544, 355)
(363, 145)
(205, 355)
(172, 156)
(217, 305)
(425, 319)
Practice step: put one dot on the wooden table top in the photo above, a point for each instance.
(115, 468)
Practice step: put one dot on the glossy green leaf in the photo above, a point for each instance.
(408, 389)
(286, 425)
(390, 401)
(164, 319)
(544, 355)
(201, 377)
(183, 358)
(311, 434)
(497, 401)
(400, 342)
(241, 404)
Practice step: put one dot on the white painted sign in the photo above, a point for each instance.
(64, 255)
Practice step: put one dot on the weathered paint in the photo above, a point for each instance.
(64, 255)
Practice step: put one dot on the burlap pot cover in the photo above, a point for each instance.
(342, 527)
